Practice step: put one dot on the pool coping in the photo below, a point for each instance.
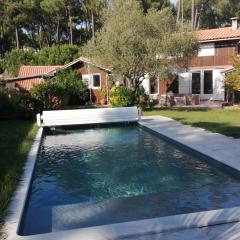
(125, 229)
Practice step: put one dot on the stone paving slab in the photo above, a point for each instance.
(229, 231)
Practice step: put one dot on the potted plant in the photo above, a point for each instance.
(103, 96)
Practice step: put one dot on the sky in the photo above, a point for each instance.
(173, 1)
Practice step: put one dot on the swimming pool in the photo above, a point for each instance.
(92, 177)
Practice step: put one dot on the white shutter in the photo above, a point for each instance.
(185, 86)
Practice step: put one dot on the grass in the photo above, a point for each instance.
(224, 121)
(15, 141)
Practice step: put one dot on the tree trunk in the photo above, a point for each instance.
(93, 26)
(57, 37)
(182, 11)
(17, 37)
(70, 26)
(197, 20)
(193, 15)
(178, 9)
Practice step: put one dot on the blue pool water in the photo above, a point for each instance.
(91, 177)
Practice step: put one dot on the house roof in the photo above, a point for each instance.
(88, 61)
(217, 34)
(31, 75)
(25, 71)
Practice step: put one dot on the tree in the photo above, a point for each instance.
(92, 9)
(56, 9)
(156, 4)
(16, 14)
(17, 57)
(232, 82)
(54, 55)
(142, 43)
(209, 13)
(57, 54)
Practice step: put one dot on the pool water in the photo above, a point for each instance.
(92, 177)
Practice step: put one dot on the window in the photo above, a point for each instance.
(96, 81)
(206, 50)
(153, 85)
(208, 82)
(196, 83)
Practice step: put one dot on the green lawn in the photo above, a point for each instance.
(224, 121)
(15, 141)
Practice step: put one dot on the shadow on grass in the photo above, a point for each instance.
(222, 128)
(173, 109)
(15, 141)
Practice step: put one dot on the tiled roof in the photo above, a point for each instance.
(28, 71)
(88, 61)
(217, 34)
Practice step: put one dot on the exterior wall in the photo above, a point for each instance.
(224, 52)
(164, 87)
(185, 85)
(88, 70)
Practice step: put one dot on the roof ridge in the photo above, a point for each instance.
(41, 65)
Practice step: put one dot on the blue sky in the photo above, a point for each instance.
(173, 1)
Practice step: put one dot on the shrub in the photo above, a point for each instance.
(14, 105)
(49, 95)
(121, 97)
(66, 88)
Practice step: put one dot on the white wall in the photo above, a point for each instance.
(206, 50)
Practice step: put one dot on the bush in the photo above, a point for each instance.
(66, 88)
(14, 105)
(49, 95)
(121, 97)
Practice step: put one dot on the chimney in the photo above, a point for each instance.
(234, 23)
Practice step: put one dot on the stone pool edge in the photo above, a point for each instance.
(17, 202)
(111, 231)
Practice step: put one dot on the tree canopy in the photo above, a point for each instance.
(142, 43)
(54, 55)
(42, 23)
(210, 13)
(233, 80)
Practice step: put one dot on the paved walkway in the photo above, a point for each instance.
(222, 148)
(229, 231)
